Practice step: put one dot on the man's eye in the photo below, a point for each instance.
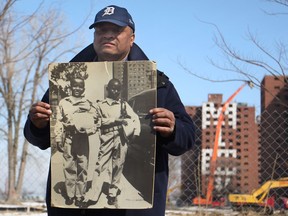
(99, 30)
(117, 30)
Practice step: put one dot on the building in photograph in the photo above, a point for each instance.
(137, 76)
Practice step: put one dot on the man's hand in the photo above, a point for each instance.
(39, 114)
(164, 121)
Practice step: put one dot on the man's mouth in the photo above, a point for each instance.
(108, 44)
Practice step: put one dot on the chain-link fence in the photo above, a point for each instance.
(35, 177)
(250, 167)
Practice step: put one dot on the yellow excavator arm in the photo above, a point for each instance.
(258, 196)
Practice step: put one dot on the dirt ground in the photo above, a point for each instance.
(168, 213)
(219, 212)
(36, 209)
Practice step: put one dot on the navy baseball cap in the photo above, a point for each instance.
(116, 15)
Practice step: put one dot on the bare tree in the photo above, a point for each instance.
(26, 46)
(281, 2)
(268, 62)
(243, 66)
(5, 6)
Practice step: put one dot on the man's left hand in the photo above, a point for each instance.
(164, 121)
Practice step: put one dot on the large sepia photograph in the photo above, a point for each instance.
(102, 142)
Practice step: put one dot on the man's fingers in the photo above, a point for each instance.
(39, 114)
(163, 120)
(40, 110)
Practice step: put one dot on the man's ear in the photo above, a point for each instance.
(132, 39)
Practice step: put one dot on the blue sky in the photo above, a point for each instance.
(171, 31)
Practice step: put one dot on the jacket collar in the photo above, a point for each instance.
(88, 54)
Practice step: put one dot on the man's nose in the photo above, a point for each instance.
(109, 34)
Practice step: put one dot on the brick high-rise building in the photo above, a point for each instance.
(136, 76)
(274, 127)
(237, 166)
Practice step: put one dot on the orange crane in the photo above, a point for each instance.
(210, 187)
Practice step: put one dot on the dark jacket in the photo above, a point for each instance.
(182, 141)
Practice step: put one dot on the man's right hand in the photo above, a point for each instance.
(39, 114)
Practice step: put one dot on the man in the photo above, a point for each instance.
(115, 114)
(114, 41)
(75, 144)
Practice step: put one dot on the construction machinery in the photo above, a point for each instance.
(261, 198)
(209, 199)
(170, 190)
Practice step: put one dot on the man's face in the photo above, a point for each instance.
(77, 87)
(114, 90)
(112, 42)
